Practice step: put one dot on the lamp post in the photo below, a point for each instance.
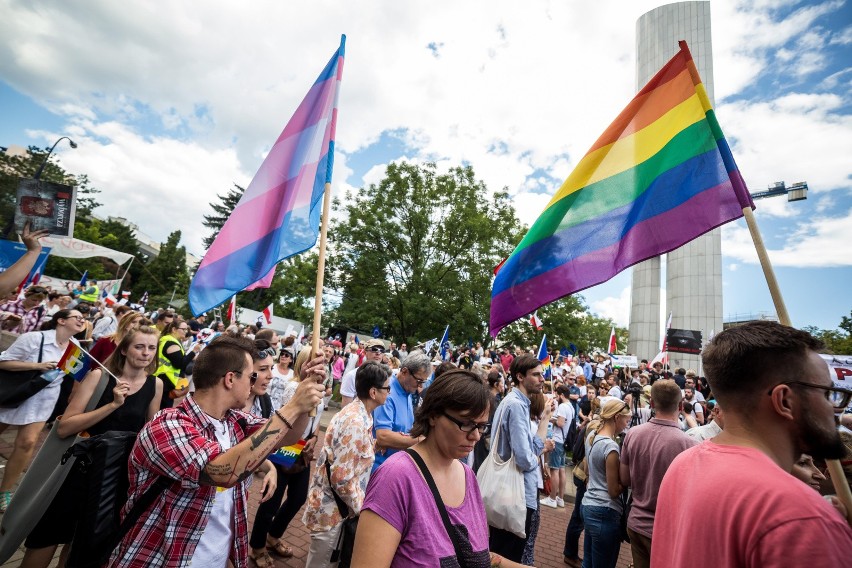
(49, 152)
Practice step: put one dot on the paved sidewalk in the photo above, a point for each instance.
(548, 550)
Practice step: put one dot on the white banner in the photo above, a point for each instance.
(67, 247)
(61, 284)
(625, 361)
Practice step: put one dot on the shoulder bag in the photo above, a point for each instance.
(342, 553)
(466, 556)
(18, 386)
(501, 484)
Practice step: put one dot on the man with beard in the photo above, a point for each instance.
(779, 402)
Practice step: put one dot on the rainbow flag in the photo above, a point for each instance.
(287, 455)
(661, 175)
(544, 357)
(279, 213)
(75, 361)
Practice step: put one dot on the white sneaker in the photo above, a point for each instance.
(560, 502)
(548, 502)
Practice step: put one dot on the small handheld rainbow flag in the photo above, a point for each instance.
(75, 361)
(544, 357)
(287, 455)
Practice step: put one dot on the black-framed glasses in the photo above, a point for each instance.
(78, 318)
(268, 352)
(418, 379)
(837, 396)
(468, 427)
(388, 389)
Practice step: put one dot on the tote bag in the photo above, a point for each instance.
(502, 486)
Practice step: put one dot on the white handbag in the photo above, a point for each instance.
(501, 484)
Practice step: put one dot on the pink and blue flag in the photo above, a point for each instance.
(278, 215)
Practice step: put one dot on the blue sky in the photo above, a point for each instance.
(172, 103)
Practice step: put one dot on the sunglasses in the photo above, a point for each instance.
(268, 352)
(376, 349)
(252, 376)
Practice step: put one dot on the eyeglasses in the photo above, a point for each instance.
(252, 376)
(268, 352)
(388, 389)
(78, 318)
(837, 396)
(183, 328)
(468, 427)
(418, 379)
(377, 349)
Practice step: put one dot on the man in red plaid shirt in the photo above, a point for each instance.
(209, 448)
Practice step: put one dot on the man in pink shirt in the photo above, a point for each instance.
(777, 396)
(646, 454)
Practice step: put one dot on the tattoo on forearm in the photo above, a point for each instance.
(265, 433)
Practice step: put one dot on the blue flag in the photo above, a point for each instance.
(377, 332)
(544, 357)
(84, 278)
(564, 352)
(573, 348)
(445, 343)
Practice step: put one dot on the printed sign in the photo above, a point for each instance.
(46, 205)
(683, 341)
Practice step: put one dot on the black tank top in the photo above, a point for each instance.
(130, 416)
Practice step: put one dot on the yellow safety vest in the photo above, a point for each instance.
(93, 297)
(166, 368)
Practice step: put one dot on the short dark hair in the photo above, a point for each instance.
(444, 367)
(494, 378)
(369, 375)
(563, 391)
(666, 395)
(265, 333)
(458, 391)
(54, 320)
(522, 364)
(743, 360)
(223, 354)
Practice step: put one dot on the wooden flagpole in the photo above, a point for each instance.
(315, 338)
(838, 478)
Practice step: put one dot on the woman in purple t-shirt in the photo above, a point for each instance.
(400, 523)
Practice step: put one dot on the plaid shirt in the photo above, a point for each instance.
(178, 443)
(29, 319)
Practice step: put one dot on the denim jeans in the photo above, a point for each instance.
(602, 540)
(575, 525)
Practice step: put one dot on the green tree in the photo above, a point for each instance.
(166, 274)
(416, 251)
(221, 212)
(837, 341)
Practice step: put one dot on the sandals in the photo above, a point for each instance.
(261, 558)
(5, 499)
(279, 548)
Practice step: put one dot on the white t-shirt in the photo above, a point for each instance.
(215, 544)
(565, 410)
(698, 396)
(615, 392)
(347, 383)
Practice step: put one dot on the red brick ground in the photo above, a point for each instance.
(548, 549)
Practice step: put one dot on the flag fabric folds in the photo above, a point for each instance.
(232, 309)
(544, 357)
(613, 346)
(84, 278)
(267, 314)
(75, 361)
(445, 343)
(536, 322)
(661, 175)
(278, 215)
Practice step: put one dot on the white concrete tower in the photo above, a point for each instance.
(694, 271)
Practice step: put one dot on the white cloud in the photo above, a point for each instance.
(616, 308)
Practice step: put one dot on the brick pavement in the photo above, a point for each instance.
(548, 550)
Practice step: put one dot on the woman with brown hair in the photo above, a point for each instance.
(401, 522)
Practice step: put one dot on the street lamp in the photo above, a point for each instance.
(49, 152)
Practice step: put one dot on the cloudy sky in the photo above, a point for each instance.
(173, 102)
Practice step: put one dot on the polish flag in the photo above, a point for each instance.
(536, 322)
(232, 309)
(267, 314)
(612, 344)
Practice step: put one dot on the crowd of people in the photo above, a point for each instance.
(726, 469)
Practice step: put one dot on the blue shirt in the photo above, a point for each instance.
(587, 372)
(516, 438)
(396, 415)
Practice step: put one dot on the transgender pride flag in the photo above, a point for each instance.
(279, 213)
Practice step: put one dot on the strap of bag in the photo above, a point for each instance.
(139, 507)
(341, 506)
(41, 348)
(448, 526)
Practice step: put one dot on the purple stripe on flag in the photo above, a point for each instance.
(652, 237)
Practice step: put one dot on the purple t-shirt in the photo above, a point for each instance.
(399, 495)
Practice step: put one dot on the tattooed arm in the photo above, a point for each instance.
(234, 465)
